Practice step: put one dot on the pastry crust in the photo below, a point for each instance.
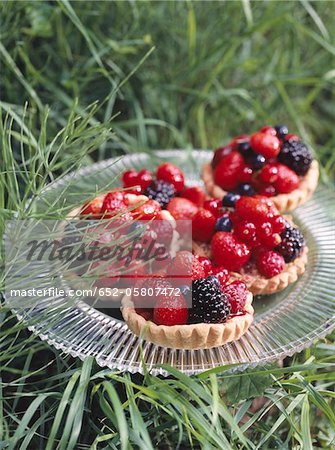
(257, 284)
(283, 202)
(196, 336)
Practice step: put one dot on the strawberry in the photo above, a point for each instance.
(195, 194)
(228, 251)
(287, 180)
(270, 263)
(94, 206)
(203, 225)
(237, 295)
(147, 210)
(265, 144)
(171, 310)
(181, 208)
(172, 174)
(151, 290)
(214, 206)
(206, 264)
(186, 265)
(113, 203)
(252, 208)
(228, 173)
(221, 274)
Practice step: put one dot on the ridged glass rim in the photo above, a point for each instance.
(271, 337)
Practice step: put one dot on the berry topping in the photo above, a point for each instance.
(203, 225)
(171, 310)
(229, 251)
(296, 155)
(230, 199)
(161, 191)
(266, 144)
(147, 210)
(219, 154)
(270, 263)
(227, 174)
(195, 194)
(287, 180)
(223, 224)
(292, 243)
(209, 304)
(236, 293)
(172, 174)
(214, 206)
(246, 189)
(281, 131)
(181, 208)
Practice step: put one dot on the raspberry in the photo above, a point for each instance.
(270, 263)
(245, 231)
(236, 293)
(272, 240)
(161, 191)
(114, 202)
(292, 243)
(267, 129)
(206, 264)
(296, 155)
(229, 251)
(209, 304)
(287, 180)
(269, 174)
(203, 225)
(195, 194)
(181, 208)
(171, 310)
(214, 206)
(252, 208)
(147, 211)
(221, 274)
(172, 174)
(265, 144)
(219, 154)
(227, 174)
(93, 207)
(198, 270)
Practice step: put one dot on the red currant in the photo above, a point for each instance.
(269, 174)
(265, 144)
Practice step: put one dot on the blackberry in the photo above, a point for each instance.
(161, 191)
(296, 155)
(209, 303)
(292, 243)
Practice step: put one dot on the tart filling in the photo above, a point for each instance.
(270, 162)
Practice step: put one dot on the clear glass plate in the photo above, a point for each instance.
(285, 323)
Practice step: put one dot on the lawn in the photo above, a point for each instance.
(84, 81)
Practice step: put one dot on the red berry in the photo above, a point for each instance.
(221, 274)
(219, 154)
(181, 208)
(264, 230)
(267, 129)
(245, 231)
(246, 174)
(269, 174)
(163, 228)
(291, 137)
(268, 191)
(278, 223)
(206, 264)
(93, 207)
(214, 206)
(198, 270)
(152, 286)
(147, 211)
(171, 310)
(265, 144)
(287, 180)
(114, 202)
(252, 208)
(271, 241)
(229, 251)
(181, 265)
(228, 173)
(237, 295)
(172, 174)
(195, 194)
(203, 225)
(144, 178)
(129, 178)
(270, 263)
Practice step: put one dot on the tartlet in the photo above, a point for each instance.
(192, 336)
(270, 162)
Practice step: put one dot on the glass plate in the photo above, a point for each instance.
(285, 323)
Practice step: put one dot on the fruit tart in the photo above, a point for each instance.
(271, 162)
(207, 312)
(249, 237)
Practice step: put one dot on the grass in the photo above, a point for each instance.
(82, 81)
